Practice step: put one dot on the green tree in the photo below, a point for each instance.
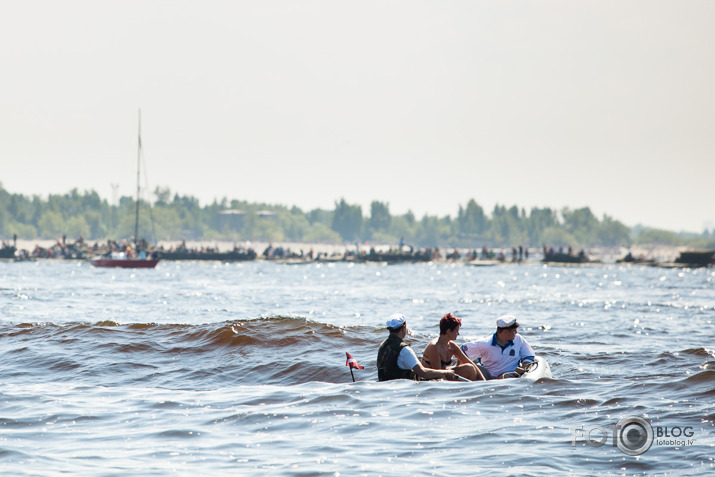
(658, 237)
(267, 230)
(705, 241)
(613, 233)
(380, 218)
(537, 222)
(557, 237)
(404, 227)
(92, 201)
(347, 220)
(77, 226)
(581, 224)
(97, 228)
(183, 217)
(319, 232)
(51, 224)
(25, 231)
(471, 220)
(22, 210)
(294, 225)
(433, 231)
(320, 216)
(189, 212)
(127, 225)
(505, 229)
(162, 194)
(168, 223)
(4, 222)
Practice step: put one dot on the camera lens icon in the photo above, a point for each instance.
(634, 435)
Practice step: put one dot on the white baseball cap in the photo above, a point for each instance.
(395, 321)
(507, 321)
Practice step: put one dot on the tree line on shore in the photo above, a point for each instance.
(177, 217)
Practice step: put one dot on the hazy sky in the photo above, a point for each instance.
(421, 104)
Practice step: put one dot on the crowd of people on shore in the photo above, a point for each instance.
(183, 248)
(61, 249)
(284, 253)
(505, 354)
(518, 254)
(551, 251)
(80, 249)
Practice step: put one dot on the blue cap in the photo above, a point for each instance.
(395, 321)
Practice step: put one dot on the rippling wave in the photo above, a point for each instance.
(273, 350)
(198, 369)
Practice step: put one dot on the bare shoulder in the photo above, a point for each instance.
(430, 346)
(430, 353)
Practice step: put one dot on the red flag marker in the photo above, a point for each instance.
(352, 362)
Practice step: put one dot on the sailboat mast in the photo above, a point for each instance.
(139, 156)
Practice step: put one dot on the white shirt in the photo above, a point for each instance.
(496, 359)
(407, 358)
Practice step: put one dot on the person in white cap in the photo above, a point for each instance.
(396, 360)
(502, 354)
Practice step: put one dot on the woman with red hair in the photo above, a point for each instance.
(439, 352)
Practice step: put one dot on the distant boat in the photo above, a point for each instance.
(123, 259)
(630, 259)
(233, 256)
(696, 258)
(7, 252)
(399, 256)
(565, 258)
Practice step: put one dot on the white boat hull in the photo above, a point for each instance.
(540, 369)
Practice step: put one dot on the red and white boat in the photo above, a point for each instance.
(122, 259)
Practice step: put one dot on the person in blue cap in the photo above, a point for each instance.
(397, 360)
(503, 353)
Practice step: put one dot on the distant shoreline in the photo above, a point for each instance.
(662, 253)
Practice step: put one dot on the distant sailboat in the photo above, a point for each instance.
(125, 259)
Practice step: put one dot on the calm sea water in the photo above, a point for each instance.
(239, 369)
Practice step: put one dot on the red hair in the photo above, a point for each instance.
(448, 322)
